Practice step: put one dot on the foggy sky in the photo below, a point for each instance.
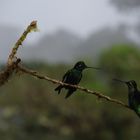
(80, 16)
(125, 5)
(83, 17)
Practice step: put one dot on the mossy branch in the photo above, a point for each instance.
(13, 65)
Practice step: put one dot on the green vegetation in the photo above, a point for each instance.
(30, 108)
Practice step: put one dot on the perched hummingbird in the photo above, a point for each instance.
(133, 95)
(73, 77)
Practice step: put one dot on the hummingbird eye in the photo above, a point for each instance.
(80, 65)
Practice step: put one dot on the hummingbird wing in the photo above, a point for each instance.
(73, 78)
(65, 76)
(63, 80)
(130, 99)
(137, 102)
(70, 77)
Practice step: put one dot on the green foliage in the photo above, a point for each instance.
(121, 61)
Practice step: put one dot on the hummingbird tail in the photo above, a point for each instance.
(137, 113)
(70, 92)
(58, 89)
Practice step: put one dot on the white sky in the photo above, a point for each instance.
(80, 16)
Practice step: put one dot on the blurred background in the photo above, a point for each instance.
(103, 33)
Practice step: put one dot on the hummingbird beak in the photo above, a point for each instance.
(94, 68)
(121, 81)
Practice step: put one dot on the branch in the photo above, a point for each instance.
(13, 65)
(13, 61)
(30, 28)
(99, 95)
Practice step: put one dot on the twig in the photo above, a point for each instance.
(13, 61)
(99, 95)
(30, 28)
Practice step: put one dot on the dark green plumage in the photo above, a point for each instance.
(73, 77)
(133, 95)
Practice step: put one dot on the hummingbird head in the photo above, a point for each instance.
(131, 84)
(81, 66)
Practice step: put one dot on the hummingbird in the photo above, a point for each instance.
(73, 76)
(133, 95)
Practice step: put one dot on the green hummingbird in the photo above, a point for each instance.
(133, 95)
(73, 77)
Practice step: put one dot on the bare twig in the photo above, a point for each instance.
(99, 95)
